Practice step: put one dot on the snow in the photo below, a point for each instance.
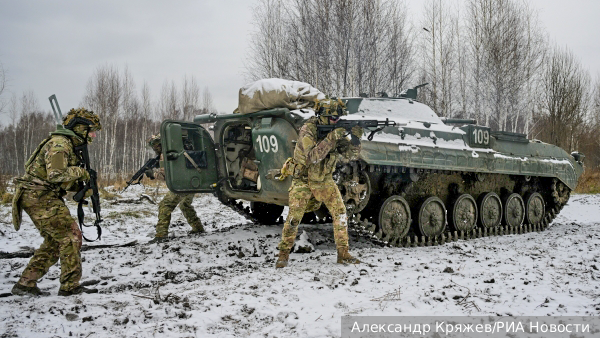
(303, 243)
(224, 283)
(305, 113)
(406, 110)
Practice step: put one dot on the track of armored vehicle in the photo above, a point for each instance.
(546, 199)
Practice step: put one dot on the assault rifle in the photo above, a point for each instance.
(324, 129)
(83, 154)
(92, 184)
(149, 165)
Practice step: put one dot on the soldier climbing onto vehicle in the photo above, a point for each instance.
(311, 169)
(171, 201)
(54, 168)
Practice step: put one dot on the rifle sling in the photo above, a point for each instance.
(80, 216)
(192, 161)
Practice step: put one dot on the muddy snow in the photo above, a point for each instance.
(224, 284)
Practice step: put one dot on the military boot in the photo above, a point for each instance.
(77, 291)
(344, 257)
(159, 240)
(282, 260)
(22, 290)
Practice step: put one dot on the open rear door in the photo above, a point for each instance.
(189, 157)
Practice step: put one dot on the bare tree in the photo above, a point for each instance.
(129, 108)
(3, 102)
(438, 47)
(169, 102)
(207, 106)
(268, 47)
(564, 100)
(190, 97)
(507, 48)
(13, 114)
(29, 105)
(342, 47)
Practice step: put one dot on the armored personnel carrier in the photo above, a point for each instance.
(425, 181)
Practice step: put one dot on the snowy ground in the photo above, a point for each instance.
(224, 284)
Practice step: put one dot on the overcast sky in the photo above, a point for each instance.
(53, 47)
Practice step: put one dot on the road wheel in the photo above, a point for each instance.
(394, 218)
(490, 210)
(535, 208)
(463, 213)
(432, 217)
(514, 210)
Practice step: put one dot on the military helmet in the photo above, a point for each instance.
(84, 117)
(330, 109)
(154, 143)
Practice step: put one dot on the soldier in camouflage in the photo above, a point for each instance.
(53, 169)
(311, 169)
(170, 202)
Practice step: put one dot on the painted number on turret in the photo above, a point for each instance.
(479, 136)
(267, 144)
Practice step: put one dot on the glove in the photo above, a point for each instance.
(150, 174)
(85, 176)
(89, 193)
(338, 133)
(357, 133)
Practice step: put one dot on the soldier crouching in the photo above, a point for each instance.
(170, 202)
(312, 184)
(53, 169)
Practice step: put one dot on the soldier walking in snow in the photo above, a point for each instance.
(311, 169)
(170, 202)
(54, 168)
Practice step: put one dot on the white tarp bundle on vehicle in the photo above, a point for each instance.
(277, 93)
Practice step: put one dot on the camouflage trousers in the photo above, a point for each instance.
(307, 197)
(166, 207)
(62, 239)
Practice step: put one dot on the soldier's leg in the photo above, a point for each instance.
(43, 258)
(190, 213)
(298, 199)
(165, 208)
(53, 219)
(328, 193)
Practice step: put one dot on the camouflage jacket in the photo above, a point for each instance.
(53, 165)
(319, 157)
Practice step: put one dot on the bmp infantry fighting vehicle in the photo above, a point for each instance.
(424, 181)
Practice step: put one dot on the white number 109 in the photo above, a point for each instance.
(481, 136)
(266, 144)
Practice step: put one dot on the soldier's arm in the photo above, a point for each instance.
(57, 163)
(317, 151)
(351, 151)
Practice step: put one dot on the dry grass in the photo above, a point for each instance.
(7, 198)
(106, 195)
(120, 182)
(4, 179)
(589, 183)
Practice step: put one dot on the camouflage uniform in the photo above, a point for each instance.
(171, 201)
(52, 170)
(312, 183)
